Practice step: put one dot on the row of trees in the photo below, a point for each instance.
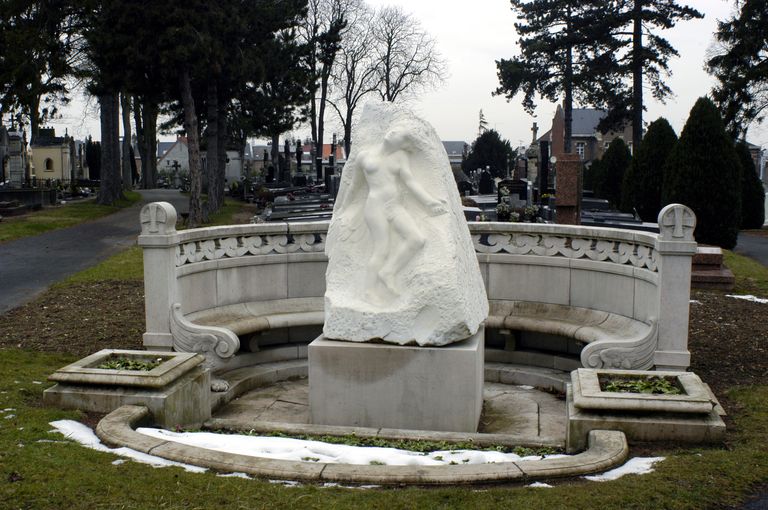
(600, 53)
(702, 169)
(222, 71)
(607, 53)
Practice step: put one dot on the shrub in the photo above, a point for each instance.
(642, 184)
(752, 193)
(609, 175)
(703, 172)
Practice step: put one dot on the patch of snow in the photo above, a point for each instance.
(316, 451)
(118, 462)
(84, 435)
(7, 410)
(525, 387)
(9, 416)
(539, 485)
(37, 382)
(695, 302)
(634, 466)
(235, 475)
(748, 297)
(286, 483)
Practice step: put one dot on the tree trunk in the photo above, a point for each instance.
(568, 102)
(34, 119)
(348, 133)
(193, 145)
(637, 76)
(109, 189)
(148, 143)
(321, 122)
(215, 197)
(221, 161)
(140, 139)
(125, 104)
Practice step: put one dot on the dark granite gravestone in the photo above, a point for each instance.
(486, 183)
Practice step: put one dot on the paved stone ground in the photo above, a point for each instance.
(30, 265)
(515, 410)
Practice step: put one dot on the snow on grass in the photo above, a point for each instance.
(84, 435)
(539, 485)
(285, 448)
(634, 466)
(748, 297)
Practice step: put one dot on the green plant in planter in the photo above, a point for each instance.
(653, 385)
(130, 364)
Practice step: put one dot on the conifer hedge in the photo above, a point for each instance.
(752, 192)
(642, 185)
(703, 172)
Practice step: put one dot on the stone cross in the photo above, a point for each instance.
(158, 218)
(676, 222)
(535, 131)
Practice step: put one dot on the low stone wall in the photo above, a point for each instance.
(638, 275)
(30, 197)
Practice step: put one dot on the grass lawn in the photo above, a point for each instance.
(41, 470)
(51, 218)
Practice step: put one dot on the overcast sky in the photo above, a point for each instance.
(472, 36)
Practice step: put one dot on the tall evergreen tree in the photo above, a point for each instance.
(741, 66)
(562, 47)
(642, 183)
(752, 192)
(38, 42)
(490, 150)
(644, 62)
(608, 176)
(703, 172)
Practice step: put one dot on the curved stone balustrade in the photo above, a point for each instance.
(638, 275)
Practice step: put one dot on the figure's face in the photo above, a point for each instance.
(396, 138)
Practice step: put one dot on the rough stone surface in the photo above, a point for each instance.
(402, 267)
(382, 385)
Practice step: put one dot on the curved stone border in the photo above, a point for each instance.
(606, 450)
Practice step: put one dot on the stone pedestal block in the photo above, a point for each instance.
(392, 386)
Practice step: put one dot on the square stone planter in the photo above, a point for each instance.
(695, 397)
(693, 416)
(177, 391)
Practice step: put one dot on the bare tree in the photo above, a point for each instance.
(354, 73)
(407, 57)
(323, 30)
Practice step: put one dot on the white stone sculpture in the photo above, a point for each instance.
(402, 266)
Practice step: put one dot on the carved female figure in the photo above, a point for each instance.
(394, 233)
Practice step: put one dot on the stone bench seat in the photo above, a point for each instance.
(254, 317)
(607, 334)
(606, 331)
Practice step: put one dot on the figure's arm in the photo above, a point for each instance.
(434, 205)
